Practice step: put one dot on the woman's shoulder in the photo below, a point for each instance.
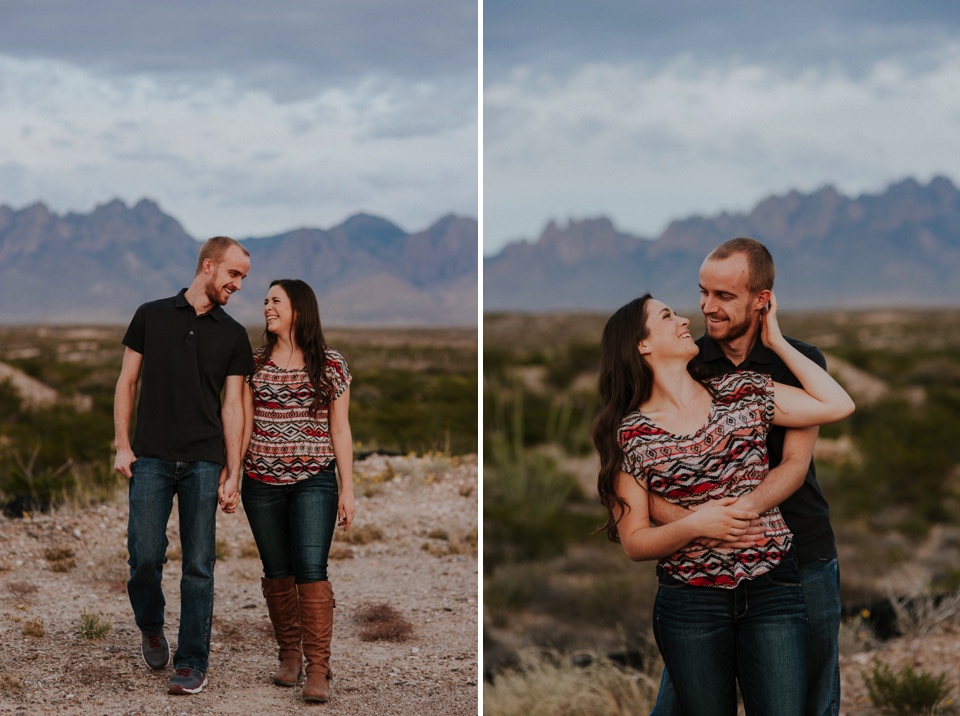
(334, 357)
(635, 426)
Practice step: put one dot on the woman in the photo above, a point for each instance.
(724, 612)
(297, 437)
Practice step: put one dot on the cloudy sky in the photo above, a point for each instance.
(647, 111)
(239, 116)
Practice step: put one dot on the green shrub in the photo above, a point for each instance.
(93, 626)
(907, 692)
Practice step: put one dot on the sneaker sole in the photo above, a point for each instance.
(151, 666)
(178, 690)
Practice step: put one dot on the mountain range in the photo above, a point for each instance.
(98, 267)
(898, 248)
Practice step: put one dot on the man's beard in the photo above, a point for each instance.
(734, 330)
(216, 297)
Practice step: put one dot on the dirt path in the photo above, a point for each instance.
(423, 562)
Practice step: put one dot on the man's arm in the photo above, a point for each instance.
(787, 477)
(124, 399)
(232, 414)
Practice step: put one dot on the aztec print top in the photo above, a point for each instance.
(288, 444)
(727, 457)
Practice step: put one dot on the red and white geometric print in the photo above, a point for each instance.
(288, 443)
(727, 457)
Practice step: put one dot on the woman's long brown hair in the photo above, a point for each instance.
(308, 333)
(626, 381)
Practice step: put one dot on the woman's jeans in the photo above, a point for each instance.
(152, 487)
(820, 581)
(293, 525)
(756, 633)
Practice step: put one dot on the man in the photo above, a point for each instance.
(736, 280)
(184, 351)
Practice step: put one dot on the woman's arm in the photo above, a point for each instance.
(342, 440)
(642, 540)
(822, 399)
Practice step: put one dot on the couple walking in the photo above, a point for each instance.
(283, 424)
(706, 465)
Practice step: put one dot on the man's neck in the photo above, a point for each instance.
(738, 349)
(197, 297)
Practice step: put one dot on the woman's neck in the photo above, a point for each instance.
(673, 388)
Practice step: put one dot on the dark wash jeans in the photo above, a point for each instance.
(756, 634)
(152, 487)
(293, 525)
(820, 581)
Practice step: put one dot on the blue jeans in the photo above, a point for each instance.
(293, 525)
(820, 582)
(754, 634)
(152, 487)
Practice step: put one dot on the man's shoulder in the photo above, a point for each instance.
(807, 349)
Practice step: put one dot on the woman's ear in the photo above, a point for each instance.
(643, 348)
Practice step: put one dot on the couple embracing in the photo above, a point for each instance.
(706, 466)
(282, 425)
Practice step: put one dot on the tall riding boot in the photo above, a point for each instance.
(284, 608)
(316, 625)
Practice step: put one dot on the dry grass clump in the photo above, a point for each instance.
(33, 627)
(382, 622)
(10, 683)
(549, 683)
(222, 549)
(447, 544)
(22, 590)
(370, 482)
(60, 559)
(174, 554)
(93, 626)
(340, 551)
(922, 615)
(249, 550)
(364, 534)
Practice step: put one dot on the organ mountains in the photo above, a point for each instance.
(897, 248)
(98, 267)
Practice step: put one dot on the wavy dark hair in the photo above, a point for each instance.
(625, 383)
(308, 334)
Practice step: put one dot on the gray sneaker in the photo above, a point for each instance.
(187, 681)
(155, 650)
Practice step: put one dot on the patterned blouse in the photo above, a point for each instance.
(288, 443)
(727, 457)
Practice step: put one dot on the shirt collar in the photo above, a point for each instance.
(216, 313)
(711, 351)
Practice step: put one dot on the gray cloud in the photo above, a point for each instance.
(289, 48)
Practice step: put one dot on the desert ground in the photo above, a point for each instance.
(413, 546)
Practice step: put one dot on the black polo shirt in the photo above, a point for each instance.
(186, 361)
(806, 511)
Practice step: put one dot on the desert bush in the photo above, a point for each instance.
(362, 534)
(33, 627)
(382, 622)
(60, 559)
(93, 626)
(907, 692)
(921, 615)
(547, 683)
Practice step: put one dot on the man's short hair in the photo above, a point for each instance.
(215, 248)
(759, 261)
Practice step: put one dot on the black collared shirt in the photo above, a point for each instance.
(806, 511)
(186, 361)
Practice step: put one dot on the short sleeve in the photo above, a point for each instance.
(241, 359)
(135, 337)
(628, 436)
(338, 373)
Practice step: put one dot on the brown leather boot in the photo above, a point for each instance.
(284, 608)
(316, 625)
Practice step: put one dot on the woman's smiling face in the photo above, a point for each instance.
(278, 311)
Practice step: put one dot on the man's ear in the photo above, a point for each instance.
(763, 298)
(207, 266)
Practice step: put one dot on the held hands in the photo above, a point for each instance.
(720, 520)
(228, 494)
(770, 326)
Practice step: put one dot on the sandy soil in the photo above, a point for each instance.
(55, 568)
